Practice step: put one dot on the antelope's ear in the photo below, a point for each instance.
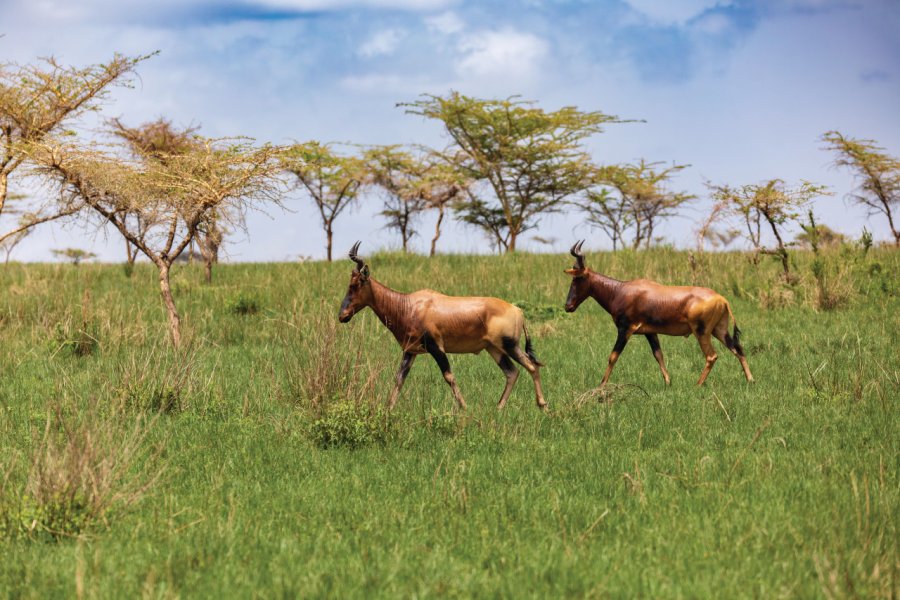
(574, 272)
(364, 274)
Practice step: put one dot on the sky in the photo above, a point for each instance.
(740, 90)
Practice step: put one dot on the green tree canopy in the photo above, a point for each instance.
(878, 174)
(332, 181)
(530, 158)
(773, 203)
(40, 100)
(632, 197)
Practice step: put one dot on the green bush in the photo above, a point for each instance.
(244, 306)
(351, 424)
(74, 342)
(63, 515)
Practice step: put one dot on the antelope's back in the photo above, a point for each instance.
(667, 308)
(468, 317)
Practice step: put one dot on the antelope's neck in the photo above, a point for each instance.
(392, 307)
(604, 290)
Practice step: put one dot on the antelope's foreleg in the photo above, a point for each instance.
(705, 340)
(621, 340)
(441, 359)
(653, 339)
(509, 369)
(405, 365)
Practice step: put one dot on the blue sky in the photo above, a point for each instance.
(739, 90)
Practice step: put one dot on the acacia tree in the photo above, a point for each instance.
(631, 197)
(396, 172)
(531, 159)
(441, 183)
(877, 171)
(158, 141)
(331, 180)
(607, 212)
(41, 100)
(773, 204)
(173, 197)
(74, 255)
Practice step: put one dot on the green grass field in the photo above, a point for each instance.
(786, 488)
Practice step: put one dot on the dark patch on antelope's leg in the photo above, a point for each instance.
(701, 328)
(405, 365)
(653, 339)
(509, 344)
(444, 365)
(729, 342)
(509, 369)
(738, 351)
(622, 339)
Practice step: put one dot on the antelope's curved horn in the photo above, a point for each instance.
(360, 263)
(579, 256)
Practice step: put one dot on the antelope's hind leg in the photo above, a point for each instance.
(405, 365)
(705, 340)
(440, 357)
(509, 369)
(513, 351)
(653, 339)
(721, 333)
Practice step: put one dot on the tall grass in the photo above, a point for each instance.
(788, 487)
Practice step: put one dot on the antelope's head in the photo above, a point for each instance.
(359, 292)
(580, 287)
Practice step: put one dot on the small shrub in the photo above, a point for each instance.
(351, 424)
(332, 379)
(81, 341)
(159, 382)
(442, 424)
(81, 473)
(155, 399)
(865, 241)
(777, 296)
(78, 342)
(243, 306)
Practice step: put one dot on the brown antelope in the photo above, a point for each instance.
(647, 308)
(427, 321)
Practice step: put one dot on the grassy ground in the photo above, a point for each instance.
(206, 474)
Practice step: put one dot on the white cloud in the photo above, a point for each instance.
(446, 23)
(317, 5)
(674, 12)
(714, 24)
(381, 43)
(384, 83)
(505, 54)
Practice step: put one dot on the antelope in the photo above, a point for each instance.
(647, 308)
(428, 321)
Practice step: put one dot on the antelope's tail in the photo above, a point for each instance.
(737, 332)
(529, 349)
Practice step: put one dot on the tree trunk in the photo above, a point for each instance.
(166, 293)
(329, 235)
(207, 269)
(4, 182)
(437, 229)
(403, 238)
(511, 246)
(891, 223)
(782, 250)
